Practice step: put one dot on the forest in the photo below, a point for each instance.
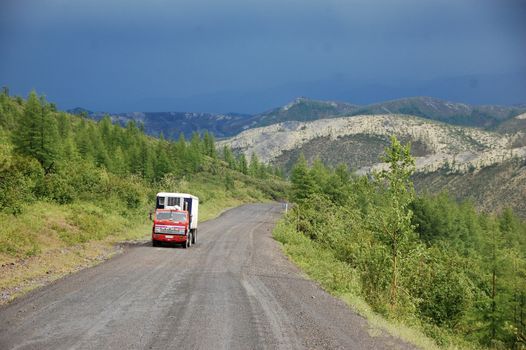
(425, 260)
(47, 154)
(93, 179)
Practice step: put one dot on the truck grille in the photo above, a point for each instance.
(169, 230)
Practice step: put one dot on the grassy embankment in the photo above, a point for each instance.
(339, 279)
(48, 240)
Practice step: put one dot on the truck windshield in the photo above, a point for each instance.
(171, 215)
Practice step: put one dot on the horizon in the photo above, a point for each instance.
(268, 109)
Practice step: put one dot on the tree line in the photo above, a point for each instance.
(430, 261)
(48, 154)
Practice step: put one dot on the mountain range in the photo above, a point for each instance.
(303, 109)
(473, 152)
(485, 166)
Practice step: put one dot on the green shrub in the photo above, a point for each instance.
(55, 187)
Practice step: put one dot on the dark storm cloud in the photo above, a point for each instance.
(248, 55)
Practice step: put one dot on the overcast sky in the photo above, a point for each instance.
(247, 56)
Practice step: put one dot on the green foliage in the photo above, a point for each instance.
(303, 181)
(53, 156)
(257, 169)
(36, 134)
(18, 179)
(392, 219)
(242, 164)
(439, 265)
(209, 145)
(97, 183)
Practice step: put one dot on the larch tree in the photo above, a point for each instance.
(394, 220)
(37, 132)
(303, 183)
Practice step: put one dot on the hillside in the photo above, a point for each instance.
(511, 125)
(72, 188)
(305, 109)
(492, 188)
(448, 270)
(438, 148)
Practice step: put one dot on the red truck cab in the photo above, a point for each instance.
(171, 225)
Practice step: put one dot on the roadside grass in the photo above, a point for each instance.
(48, 241)
(339, 279)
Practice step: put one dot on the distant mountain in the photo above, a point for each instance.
(225, 125)
(172, 124)
(304, 109)
(449, 112)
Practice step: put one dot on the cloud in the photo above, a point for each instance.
(132, 48)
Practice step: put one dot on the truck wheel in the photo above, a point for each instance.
(185, 244)
(190, 239)
(194, 236)
(155, 243)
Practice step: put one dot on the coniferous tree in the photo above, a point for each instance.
(263, 171)
(162, 161)
(242, 165)
(196, 144)
(195, 153)
(394, 221)
(37, 132)
(106, 133)
(99, 148)
(253, 168)
(228, 157)
(303, 184)
(179, 155)
(209, 144)
(319, 172)
(342, 172)
(145, 161)
(118, 162)
(84, 145)
(70, 152)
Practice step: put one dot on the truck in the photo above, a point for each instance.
(175, 221)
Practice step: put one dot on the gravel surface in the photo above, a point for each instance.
(233, 290)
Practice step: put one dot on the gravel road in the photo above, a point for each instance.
(233, 290)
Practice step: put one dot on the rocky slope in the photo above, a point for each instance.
(459, 159)
(492, 188)
(438, 144)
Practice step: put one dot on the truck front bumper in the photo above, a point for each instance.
(161, 237)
